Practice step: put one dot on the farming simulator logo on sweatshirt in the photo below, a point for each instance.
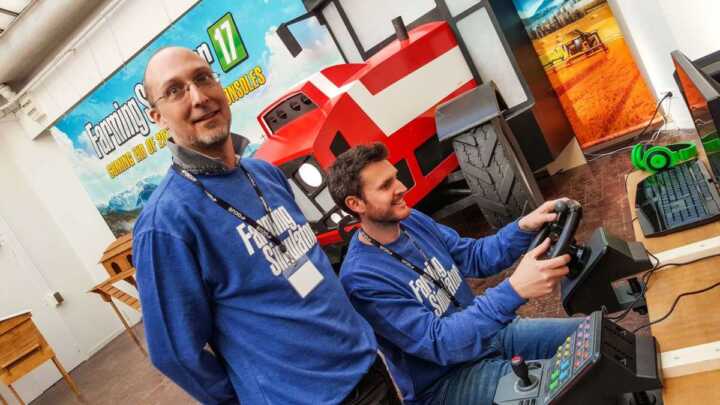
(424, 288)
(299, 241)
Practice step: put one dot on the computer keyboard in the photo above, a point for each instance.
(676, 198)
(682, 194)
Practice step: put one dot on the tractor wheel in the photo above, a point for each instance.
(500, 179)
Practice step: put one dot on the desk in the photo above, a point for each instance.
(22, 349)
(696, 319)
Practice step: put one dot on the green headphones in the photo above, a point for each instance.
(656, 158)
(711, 143)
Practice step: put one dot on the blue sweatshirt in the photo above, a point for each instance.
(422, 334)
(206, 279)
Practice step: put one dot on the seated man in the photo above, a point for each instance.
(404, 273)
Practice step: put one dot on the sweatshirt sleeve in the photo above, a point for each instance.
(486, 256)
(177, 316)
(407, 323)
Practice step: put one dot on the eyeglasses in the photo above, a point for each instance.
(176, 92)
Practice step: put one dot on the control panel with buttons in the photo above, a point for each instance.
(572, 358)
(601, 363)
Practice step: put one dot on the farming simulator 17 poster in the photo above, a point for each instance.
(120, 155)
(590, 66)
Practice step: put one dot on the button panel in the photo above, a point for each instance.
(570, 359)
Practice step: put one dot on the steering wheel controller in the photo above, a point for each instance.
(593, 268)
(562, 236)
(600, 363)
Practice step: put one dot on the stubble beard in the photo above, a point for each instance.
(384, 218)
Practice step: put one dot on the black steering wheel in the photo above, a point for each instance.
(561, 231)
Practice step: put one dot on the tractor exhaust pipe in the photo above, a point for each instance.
(401, 32)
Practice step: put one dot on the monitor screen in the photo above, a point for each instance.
(703, 101)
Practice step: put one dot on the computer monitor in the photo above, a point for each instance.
(702, 97)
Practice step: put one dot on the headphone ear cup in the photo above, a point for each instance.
(657, 159)
(636, 156)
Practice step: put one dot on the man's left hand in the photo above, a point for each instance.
(535, 220)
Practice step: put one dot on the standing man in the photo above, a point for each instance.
(404, 273)
(240, 304)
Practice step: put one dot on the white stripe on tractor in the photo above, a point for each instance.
(406, 99)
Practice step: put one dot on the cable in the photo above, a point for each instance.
(672, 308)
(646, 281)
(643, 289)
(626, 179)
(653, 138)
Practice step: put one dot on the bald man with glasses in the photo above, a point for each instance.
(240, 304)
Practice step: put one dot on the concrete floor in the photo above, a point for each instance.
(117, 374)
(120, 374)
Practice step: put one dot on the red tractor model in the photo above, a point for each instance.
(392, 98)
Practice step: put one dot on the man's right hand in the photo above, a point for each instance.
(535, 277)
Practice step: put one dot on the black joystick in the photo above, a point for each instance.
(520, 368)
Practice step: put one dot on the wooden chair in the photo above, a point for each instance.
(22, 349)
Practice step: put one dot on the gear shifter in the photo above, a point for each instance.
(520, 368)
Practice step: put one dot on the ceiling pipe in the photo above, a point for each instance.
(38, 33)
(10, 105)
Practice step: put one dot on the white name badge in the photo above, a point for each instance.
(303, 276)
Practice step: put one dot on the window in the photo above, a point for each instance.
(432, 153)
(338, 144)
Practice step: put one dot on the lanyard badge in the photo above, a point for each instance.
(302, 274)
(438, 283)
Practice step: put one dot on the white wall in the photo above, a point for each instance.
(43, 201)
(109, 40)
(695, 24)
(655, 28)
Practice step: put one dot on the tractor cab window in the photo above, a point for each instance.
(361, 28)
(288, 110)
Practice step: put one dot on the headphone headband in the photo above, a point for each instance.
(655, 158)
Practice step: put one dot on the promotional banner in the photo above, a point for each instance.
(589, 65)
(120, 155)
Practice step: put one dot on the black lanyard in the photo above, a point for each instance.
(439, 284)
(234, 211)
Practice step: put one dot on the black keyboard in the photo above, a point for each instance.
(677, 198)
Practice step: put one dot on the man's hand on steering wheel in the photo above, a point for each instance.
(534, 276)
(535, 220)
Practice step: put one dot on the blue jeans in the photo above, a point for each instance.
(475, 382)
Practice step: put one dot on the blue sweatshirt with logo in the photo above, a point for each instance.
(224, 318)
(422, 334)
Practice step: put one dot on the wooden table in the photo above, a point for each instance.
(696, 319)
(107, 291)
(22, 349)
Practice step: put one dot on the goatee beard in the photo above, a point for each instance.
(215, 142)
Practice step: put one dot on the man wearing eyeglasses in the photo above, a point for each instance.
(239, 301)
